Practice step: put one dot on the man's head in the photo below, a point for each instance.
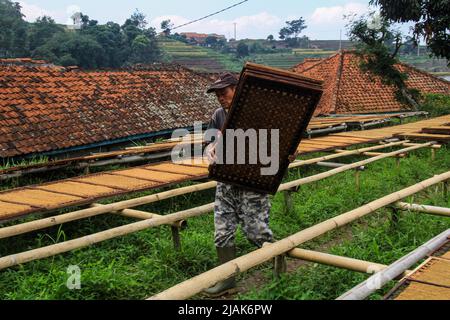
(224, 88)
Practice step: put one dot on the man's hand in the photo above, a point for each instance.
(211, 153)
(293, 157)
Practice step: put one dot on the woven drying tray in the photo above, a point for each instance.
(412, 290)
(429, 281)
(268, 98)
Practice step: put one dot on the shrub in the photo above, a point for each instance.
(436, 104)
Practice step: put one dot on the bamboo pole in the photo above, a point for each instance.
(90, 212)
(410, 144)
(142, 215)
(336, 261)
(195, 285)
(374, 154)
(119, 206)
(345, 153)
(438, 211)
(317, 177)
(52, 250)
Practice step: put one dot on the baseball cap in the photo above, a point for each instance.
(225, 80)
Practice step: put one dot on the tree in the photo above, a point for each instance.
(73, 48)
(143, 50)
(431, 19)
(13, 30)
(409, 46)
(284, 32)
(42, 31)
(89, 46)
(211, 41)
(167, 26)
(256, 47)
(292, 31)
(270, 38)
(378, 45)
(221, 43)
(139, 19)
(242, 50)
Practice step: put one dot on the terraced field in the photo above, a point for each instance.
(204, 60)
(199, 59)
(288, 60)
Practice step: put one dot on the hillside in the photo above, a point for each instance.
(207, 60)
(288, 60)
(197, 58)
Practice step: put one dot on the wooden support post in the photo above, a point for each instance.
(87, 170)
(358, 179)
(433, 154)
(288, 201)
(445, 189)
(279, 265)
(397, 162)
(176, 238)
(395, 217)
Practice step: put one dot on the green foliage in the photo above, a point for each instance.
(42, 31)
(167, 26)
(144, 263)
(436, 104)
(291, 32)
(13, 30)
(378, 45)
(72, 48)
(92, 46)
(242, 50)
(143, 49)
(431, 19)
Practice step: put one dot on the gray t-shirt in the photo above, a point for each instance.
(217, 121)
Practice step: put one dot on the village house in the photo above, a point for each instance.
(52, 110)
(349, 90)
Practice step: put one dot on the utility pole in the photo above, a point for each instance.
(235, 31)
(340, 40)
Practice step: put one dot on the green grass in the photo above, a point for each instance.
(7, 163)
(141, 264)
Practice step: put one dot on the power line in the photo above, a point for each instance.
(210, 15)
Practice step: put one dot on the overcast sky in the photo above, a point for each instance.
(255, 18)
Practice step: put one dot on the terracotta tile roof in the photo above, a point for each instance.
(45, 108)
(307, 63)
(348, 90)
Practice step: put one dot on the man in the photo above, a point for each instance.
(234, 205)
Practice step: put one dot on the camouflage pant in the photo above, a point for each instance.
(236, 206)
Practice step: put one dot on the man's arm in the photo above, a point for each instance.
(294, 156)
